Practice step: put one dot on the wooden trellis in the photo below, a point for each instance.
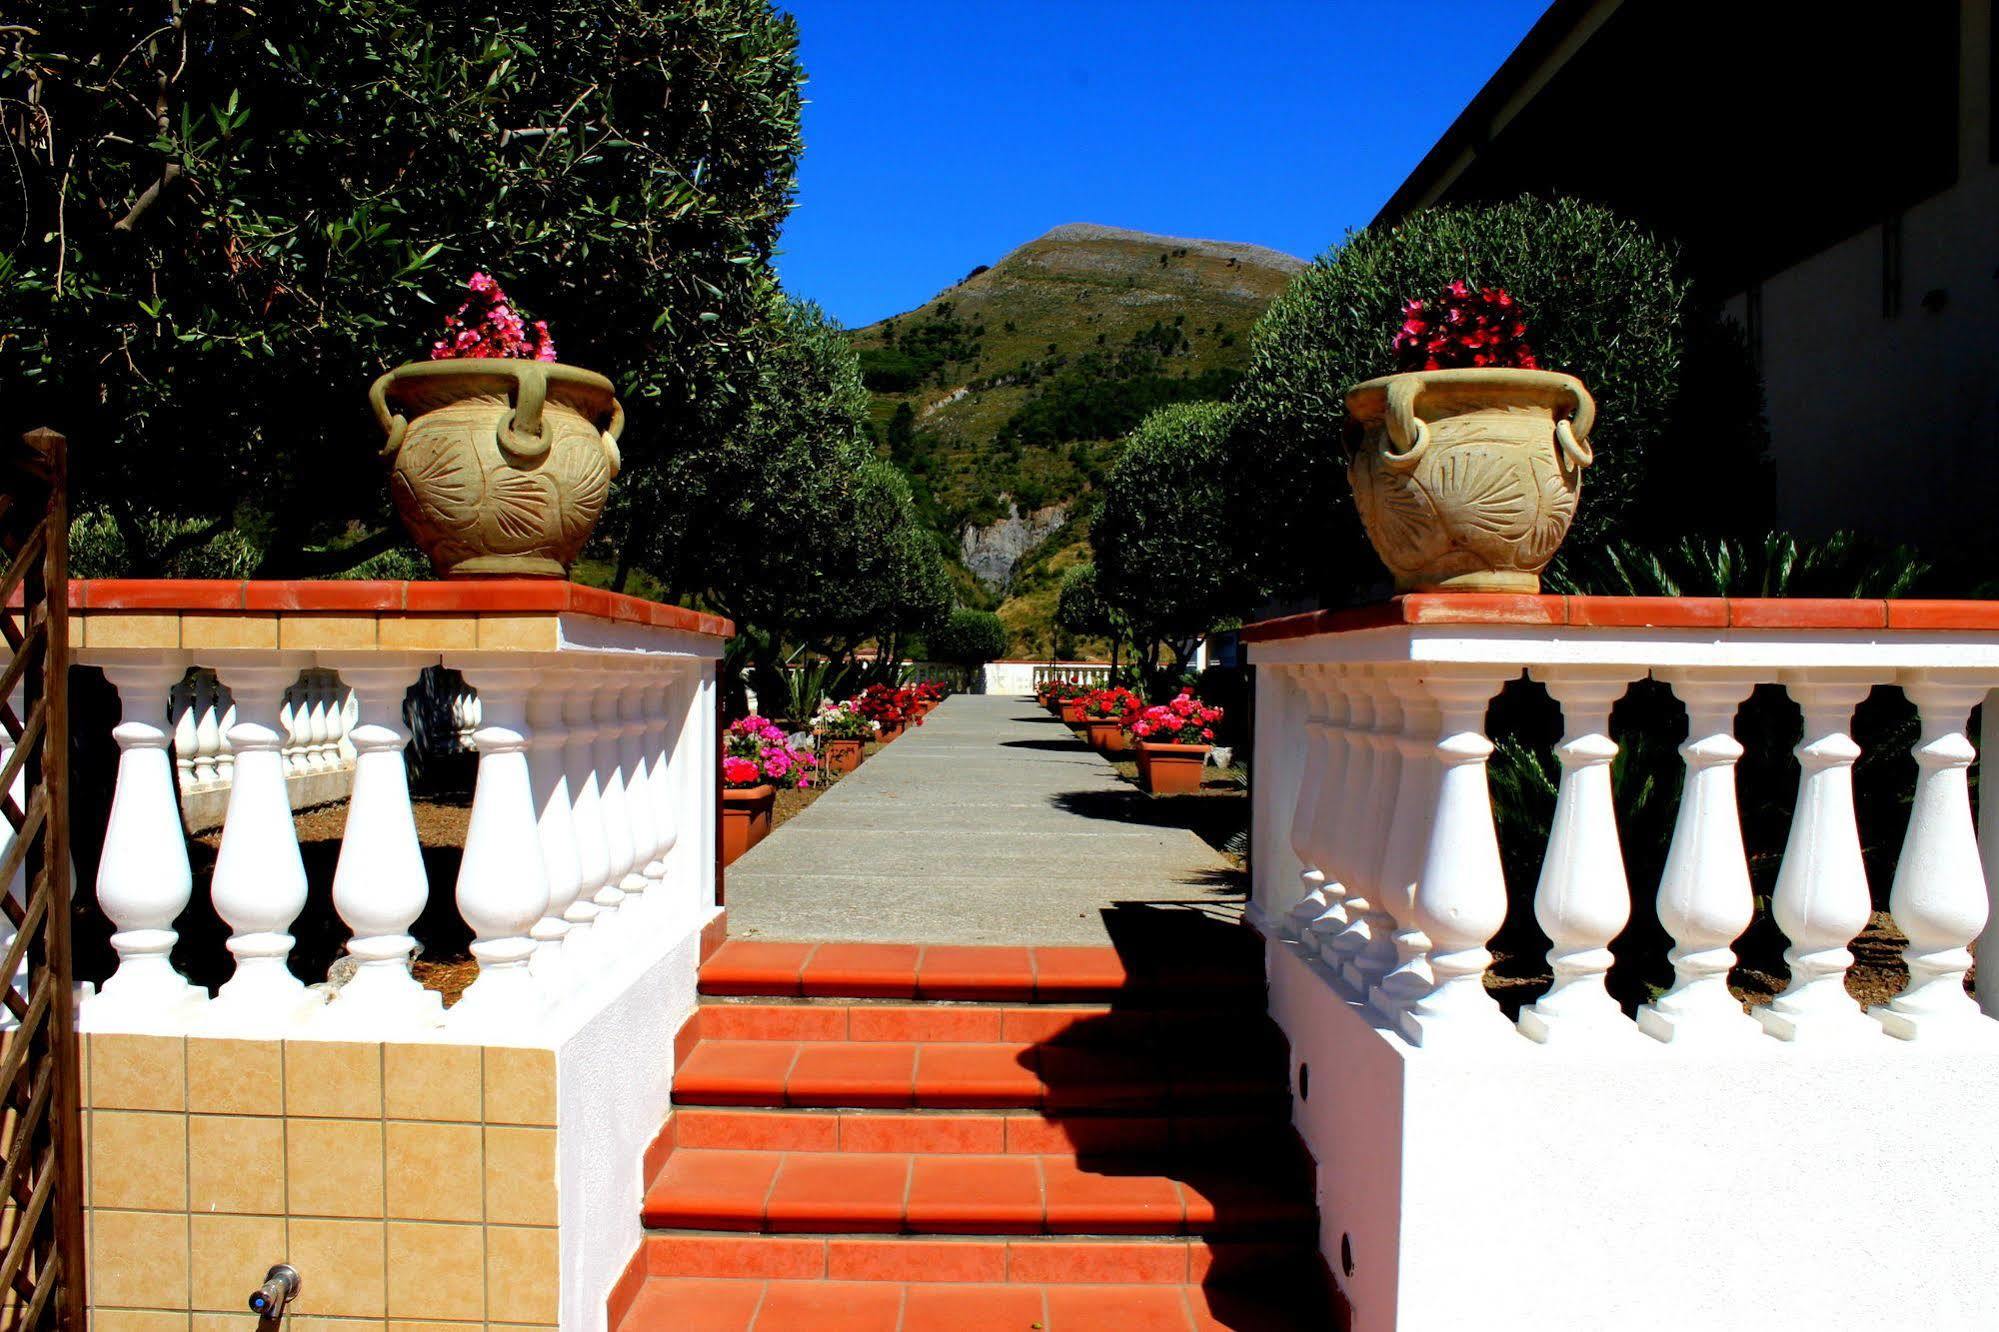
(41, 1140)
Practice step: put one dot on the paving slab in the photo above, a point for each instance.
(990, 823)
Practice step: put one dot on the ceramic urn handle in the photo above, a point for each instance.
(394, 424)
(610, 437)
(1572, 431)
(1405, 428)
(520, 434)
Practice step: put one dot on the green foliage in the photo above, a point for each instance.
(1079, 609)
(1775, 565)
(233, 217)
(1604, 301)
(1163, 551)
(969, 638)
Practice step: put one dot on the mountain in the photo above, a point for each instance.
(1004, 395)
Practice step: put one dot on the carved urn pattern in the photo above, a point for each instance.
(1467, 480)
(500, 468)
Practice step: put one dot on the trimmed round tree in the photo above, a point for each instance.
(969, 638)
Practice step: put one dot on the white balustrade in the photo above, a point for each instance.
(590, 829)
(1383, 799)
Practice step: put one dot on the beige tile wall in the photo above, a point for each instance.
(413, 1186)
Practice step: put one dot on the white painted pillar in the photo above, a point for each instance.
(1409, 975)
(630, 689)
(548, 780)
(1343, 818)
(661, 708)
(143, 877)
(614, 921)
(502, 887)
(379, 885)
(182, 710)
(1280, 714)
(1821, 900)
(705, 763)
(1316, 687)
(1583, 899)
(1322, 820)
(1988, 851)
(583, 947)
(259, 883)
(1361, 812)
(1938, 898)
(1374, 951)
(1460, 899)
(1705, 900)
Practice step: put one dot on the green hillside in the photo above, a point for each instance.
(1008, 391)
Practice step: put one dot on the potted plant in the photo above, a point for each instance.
(887, 708)
(1106, 713)
(1470, 456)
(757, 758)
(843, 733)
(1173, 743)
(501, 455)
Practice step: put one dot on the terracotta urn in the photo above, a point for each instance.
(745, 818)
(500, 468)
(1171, 769)
(1467, 480)
(840, 757)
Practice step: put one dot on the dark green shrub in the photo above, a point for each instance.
(969, 638)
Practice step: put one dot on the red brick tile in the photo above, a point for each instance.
(1087, 1135)
(972, 1309)
(516, 595)
(839, 1193)
(689, 1305)
(1231, 1260)
(759, 1256)
(1075, 1025)
(922, 1133)
(1084, 1200)
(597, 602)
(848, 1074)
(758, 1130)
(966, 1075)
(687, 1038)
(1126, 1308)
(1228, 1198)
(629, 1283)
(1128, 1262)
(199, 594)
(1281, 1308)
(774, 1022)
(754, 967)
(865, 971)
(983, 1195)
(1807, 613)
(335, 594)
(1962, 615)
(975, 973)
(661, 1147)
(714, 934)
(711, 1190)
(923, 1022)
(1077, 973)
(735, 1073)
(1482, 608)
(1099, 1080)
(1649, 612)
(915, 1260)
(830, 1306)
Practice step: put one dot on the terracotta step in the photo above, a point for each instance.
(895, 1192)
(966, 1075)
(1039, 1258)
(669, 1304)
(1032, 1133)
(1087, 1025)
(1231, 974)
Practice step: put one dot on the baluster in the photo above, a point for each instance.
(1705, 901)
(1988, 854)
(1460, 899)
(1821, 901)
(320, 757)
(16, 887)
(225, 722)
(1335, 742)
(1348, 810)
(1313, 686)
(1938, 897)
(182, 704)
(663, 711)
(1370, 950)
(584, 946)
(347, 752)
(629, 689)
(291, 723)
(379, 883)
(143, 876)
(259, 881)
(1409, 977)
(548, 779)
(1583, 900)
(207, 713)
(614, 922)
(502, 887)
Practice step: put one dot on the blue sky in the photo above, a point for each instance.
(942, 133)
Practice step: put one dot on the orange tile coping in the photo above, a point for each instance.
(1776, 613)
(966, 972)
(212, 603)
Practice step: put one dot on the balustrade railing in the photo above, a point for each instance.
(1092, 674)
(592, 823)
(1376, 849)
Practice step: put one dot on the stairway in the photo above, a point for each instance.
(900, 1138)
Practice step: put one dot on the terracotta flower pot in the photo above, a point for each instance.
(1072, 711)
(891, 729)
(840, 757)
(745, 818)
(500, 467)
(1467, 480)
(1117, 740)
(1171, 769)
(1098, 732)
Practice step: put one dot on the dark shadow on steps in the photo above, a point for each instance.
(1216, 820)
(1054, 746)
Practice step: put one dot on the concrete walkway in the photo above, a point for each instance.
(992, 824)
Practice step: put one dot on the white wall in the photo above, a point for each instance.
(1890, 424)
(1530, 1187)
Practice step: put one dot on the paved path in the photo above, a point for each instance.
(991, 823)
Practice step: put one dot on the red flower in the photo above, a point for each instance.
(1466, 328)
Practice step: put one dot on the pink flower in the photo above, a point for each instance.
(738, 771)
